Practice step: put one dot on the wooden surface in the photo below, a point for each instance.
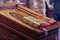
(11, 33)
(6, 4)
(28, 30)
(16, 24)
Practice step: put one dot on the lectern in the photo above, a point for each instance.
(15, 16)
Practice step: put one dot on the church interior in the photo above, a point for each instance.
(28, 20)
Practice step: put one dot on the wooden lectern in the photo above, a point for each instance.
(16, 24)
